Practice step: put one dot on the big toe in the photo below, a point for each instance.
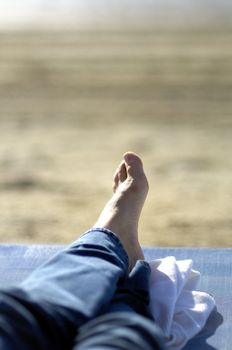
(134, 165)
(135, 172)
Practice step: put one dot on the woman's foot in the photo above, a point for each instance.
(121, 214)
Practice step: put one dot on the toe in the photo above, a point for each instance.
(115, 180)
(134, 165)
(135, 172)
(115, 183)
(119, 175)
(122, 174)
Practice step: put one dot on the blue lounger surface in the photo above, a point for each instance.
(215, 265)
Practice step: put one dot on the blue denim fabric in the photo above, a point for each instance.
(133, 294)
(87, 279)
(119, 331)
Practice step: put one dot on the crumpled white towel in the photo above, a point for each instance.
(178, 308)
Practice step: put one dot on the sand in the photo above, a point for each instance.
(71, 103)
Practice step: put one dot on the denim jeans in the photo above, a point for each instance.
(82, 298)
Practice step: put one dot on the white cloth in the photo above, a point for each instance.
(178, 308)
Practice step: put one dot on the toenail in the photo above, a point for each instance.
(128, 158)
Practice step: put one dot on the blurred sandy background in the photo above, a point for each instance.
(76, 94)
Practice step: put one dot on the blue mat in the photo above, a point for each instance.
(215, 265)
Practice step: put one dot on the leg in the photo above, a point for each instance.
(63, 294)
(77, 283)
(121, 214)
(119, 331)
(127, 322)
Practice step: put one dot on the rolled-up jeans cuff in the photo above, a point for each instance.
(107, 239)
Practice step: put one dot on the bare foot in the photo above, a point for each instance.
(121, 214)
